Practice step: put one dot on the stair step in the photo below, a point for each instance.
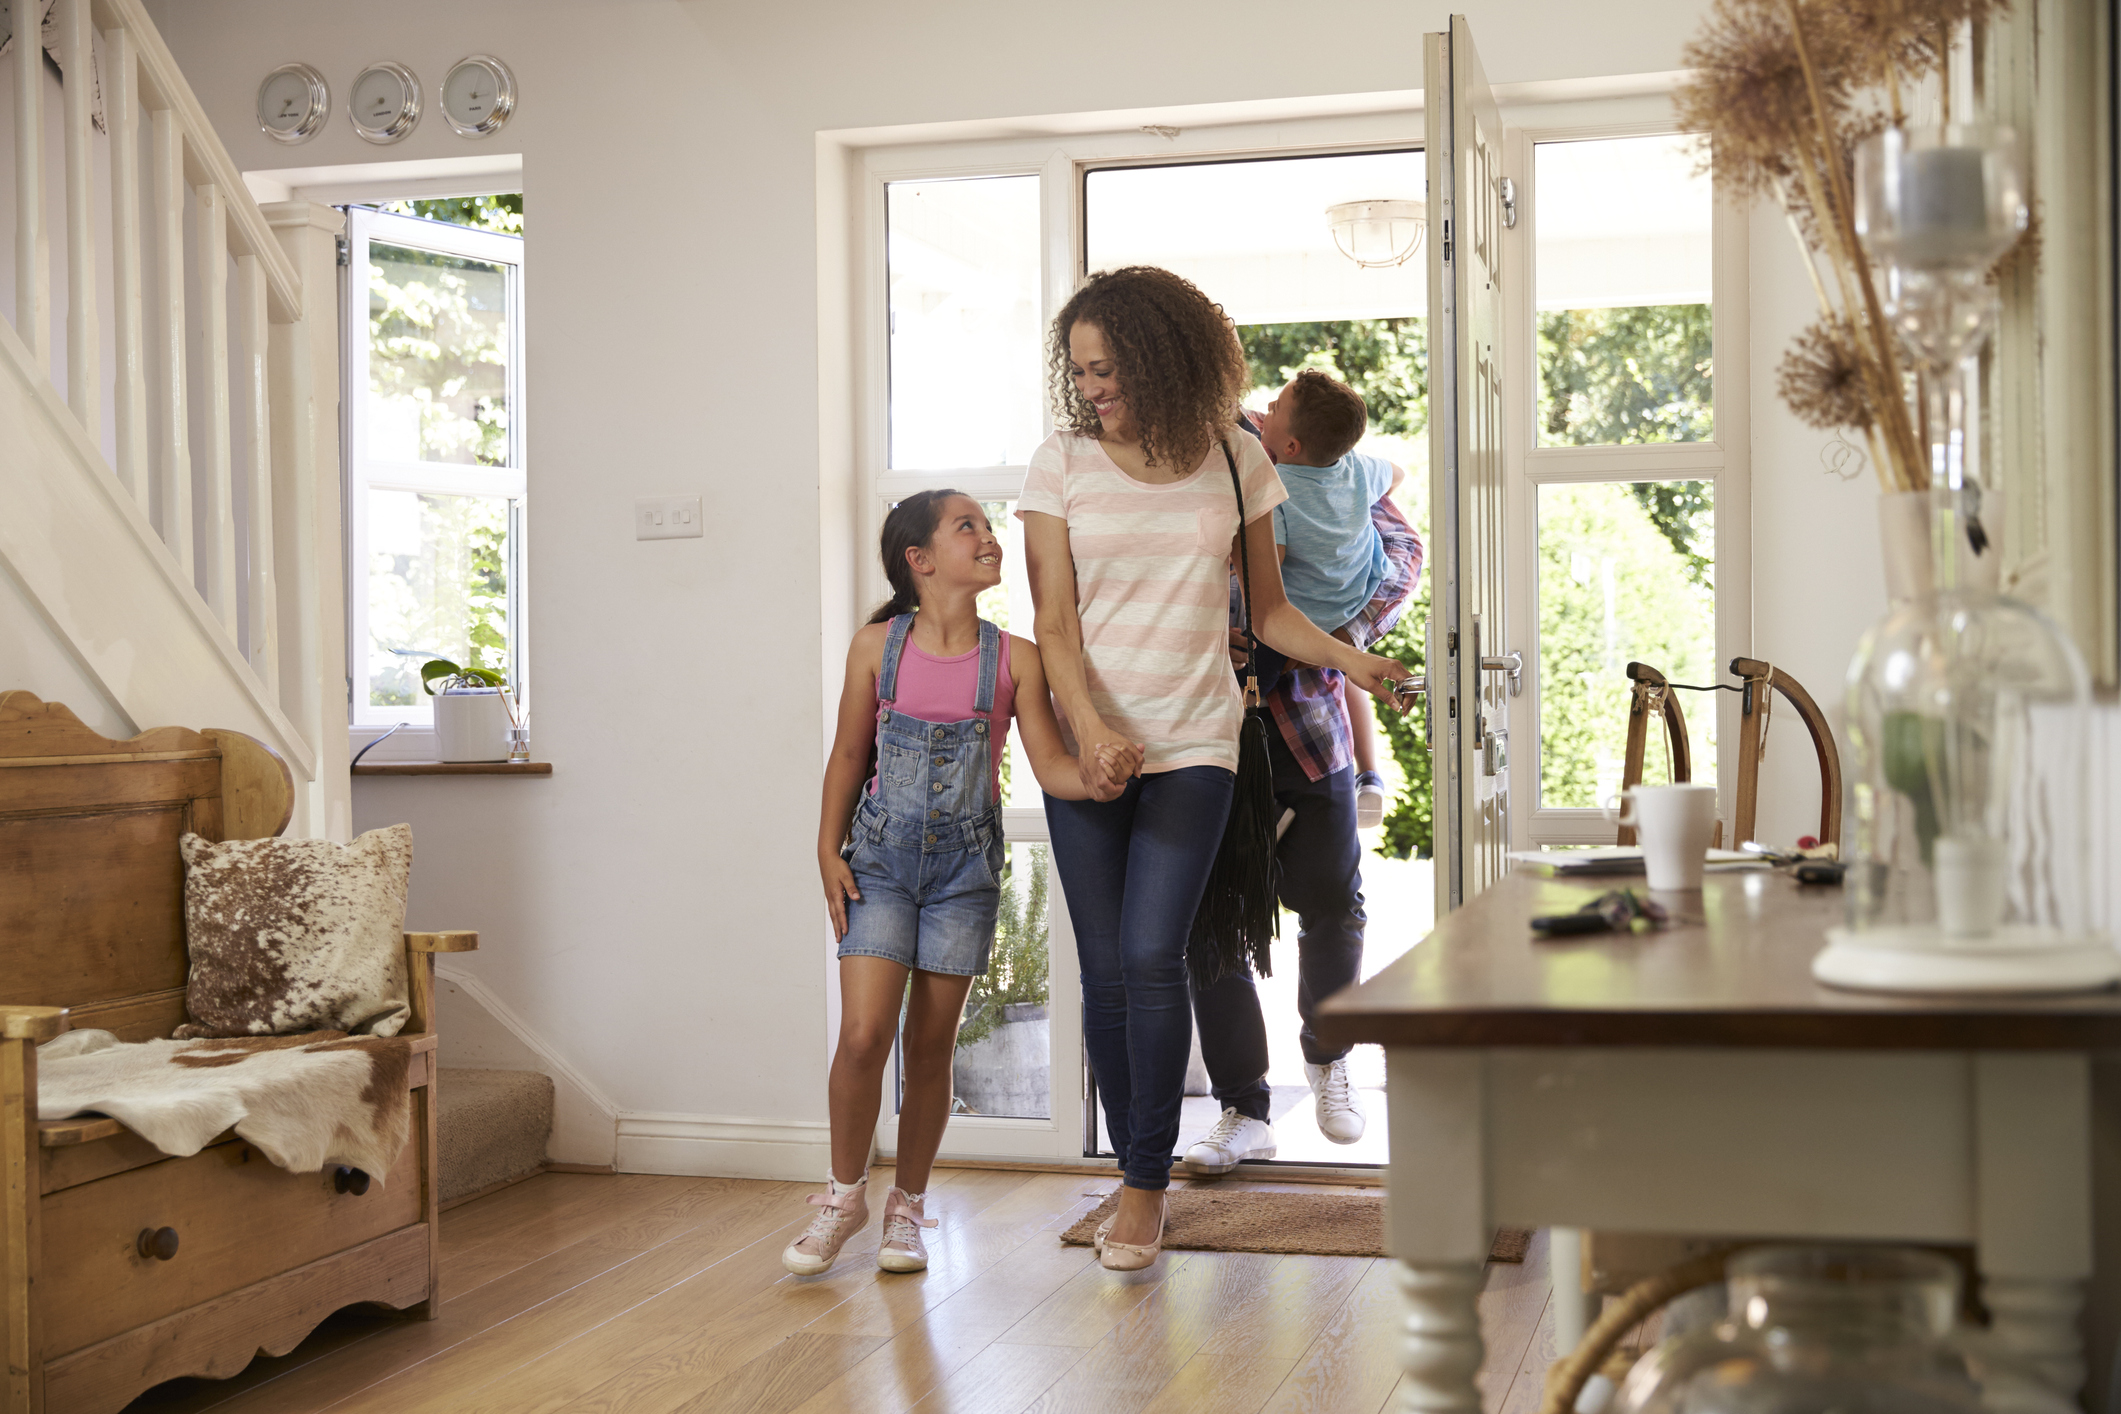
(492, 1126)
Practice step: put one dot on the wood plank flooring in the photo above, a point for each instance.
(632, 1294)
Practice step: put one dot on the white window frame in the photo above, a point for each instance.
(1724, 460)
(416, 740)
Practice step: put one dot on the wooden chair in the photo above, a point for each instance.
(121, 1267)
(1762, 681)
(1654, 695)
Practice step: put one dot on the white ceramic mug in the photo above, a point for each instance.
(1674, 824)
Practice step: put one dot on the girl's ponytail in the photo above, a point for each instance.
(910, 525)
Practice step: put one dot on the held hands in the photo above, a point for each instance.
(1107, 761)
(840, 889)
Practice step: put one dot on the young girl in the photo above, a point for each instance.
(911, 861)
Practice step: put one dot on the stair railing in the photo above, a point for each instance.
(155, 382)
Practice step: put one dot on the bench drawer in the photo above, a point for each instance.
(238, 1220)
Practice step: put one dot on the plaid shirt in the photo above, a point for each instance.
(1306, 703)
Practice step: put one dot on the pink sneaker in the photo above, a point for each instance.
(903, 1250)
(846, 1212)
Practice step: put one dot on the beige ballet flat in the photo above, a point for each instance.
(1130, 1256)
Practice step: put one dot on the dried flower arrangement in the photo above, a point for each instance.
(1786, 91)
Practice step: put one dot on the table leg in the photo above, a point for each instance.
(1443, 1349)
(1436, 1221)
(2033, 1221)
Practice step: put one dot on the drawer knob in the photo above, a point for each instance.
(159, 1243)
(349, 1180)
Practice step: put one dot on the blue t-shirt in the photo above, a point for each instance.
(1336, 557)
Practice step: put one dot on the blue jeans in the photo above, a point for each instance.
(1133, 870)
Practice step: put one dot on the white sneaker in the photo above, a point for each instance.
(1234, 1139)
(1338, 1117)
(1369, 800)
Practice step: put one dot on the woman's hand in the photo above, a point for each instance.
(840, 890)
(1121, 764)
(1368, 671)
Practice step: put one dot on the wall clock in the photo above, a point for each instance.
(292, 103)
(478, 96)
(385, 102)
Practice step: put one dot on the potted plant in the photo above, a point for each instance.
(1004, 1046)
(474, 711)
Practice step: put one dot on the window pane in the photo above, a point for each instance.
(437, 588)
(1626, 573)
(966, 373)
(1004, 1046)
(1623, 274)
(437, 358)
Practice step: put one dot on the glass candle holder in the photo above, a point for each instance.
(1940, 198)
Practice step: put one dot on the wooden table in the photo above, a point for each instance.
(1696, 1081)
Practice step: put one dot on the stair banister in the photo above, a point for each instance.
(129, 392)
(33, 294)
(166, 321)
(210, 200)
(253, 336)
(84, 361)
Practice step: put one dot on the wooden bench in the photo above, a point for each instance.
(121, 1267)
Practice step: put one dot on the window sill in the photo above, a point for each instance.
(453, 768)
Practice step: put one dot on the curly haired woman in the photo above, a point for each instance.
(1130, 520)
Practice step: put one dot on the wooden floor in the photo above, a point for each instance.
(647, 1294)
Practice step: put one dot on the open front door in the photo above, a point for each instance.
(1469, 663)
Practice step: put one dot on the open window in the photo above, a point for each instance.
(434, 428)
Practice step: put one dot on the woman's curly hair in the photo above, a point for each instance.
(1181, 368)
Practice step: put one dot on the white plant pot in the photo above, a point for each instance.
(471, 724)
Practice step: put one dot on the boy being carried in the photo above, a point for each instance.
(1333, 559)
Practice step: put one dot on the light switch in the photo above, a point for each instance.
(667, 518)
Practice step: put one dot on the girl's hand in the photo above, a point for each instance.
(1369, 671)
(840, 889)
(1099, 751)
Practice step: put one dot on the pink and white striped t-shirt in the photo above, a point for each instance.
(1152, 589)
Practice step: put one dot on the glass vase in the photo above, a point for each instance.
(1811, 1329)
(1968, 714)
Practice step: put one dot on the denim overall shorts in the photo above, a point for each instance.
(926, 844)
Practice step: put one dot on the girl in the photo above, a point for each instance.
(1130, 519)
(911, 863)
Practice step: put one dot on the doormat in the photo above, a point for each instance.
(1315, 1224)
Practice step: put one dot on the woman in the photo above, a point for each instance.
(1130, 522)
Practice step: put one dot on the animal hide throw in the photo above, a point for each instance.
(303, 1101)
(289, 936)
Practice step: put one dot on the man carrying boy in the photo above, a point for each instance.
(1314, 755)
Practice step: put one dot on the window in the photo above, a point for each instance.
(435, 456)
(1625, 468)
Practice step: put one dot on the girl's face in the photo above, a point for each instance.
(1097, 376)
(964, 551)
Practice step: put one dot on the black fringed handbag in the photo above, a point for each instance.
(1238, 918)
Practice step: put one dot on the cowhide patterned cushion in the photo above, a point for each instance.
(296, 935)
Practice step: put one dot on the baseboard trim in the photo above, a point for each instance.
(714, 1146)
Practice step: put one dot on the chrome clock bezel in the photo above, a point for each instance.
(403, 121)
(312, 121)
(504, 96)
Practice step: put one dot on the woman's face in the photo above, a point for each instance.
(1097, 376)
(963, 551)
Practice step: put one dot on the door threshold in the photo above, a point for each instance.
(1250, 1171)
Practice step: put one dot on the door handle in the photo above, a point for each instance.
(1511, 663)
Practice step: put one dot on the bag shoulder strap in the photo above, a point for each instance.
(1244, 580)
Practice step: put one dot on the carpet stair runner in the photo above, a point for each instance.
(492, 1126)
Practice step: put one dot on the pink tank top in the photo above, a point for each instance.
(943, 689)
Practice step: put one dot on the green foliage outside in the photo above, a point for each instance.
(437, 588)
(1017, 970)
(1622, 377)
(502, 212)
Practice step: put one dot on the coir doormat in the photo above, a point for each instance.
(1317, 1224)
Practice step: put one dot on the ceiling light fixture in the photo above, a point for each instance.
(1378, 234)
